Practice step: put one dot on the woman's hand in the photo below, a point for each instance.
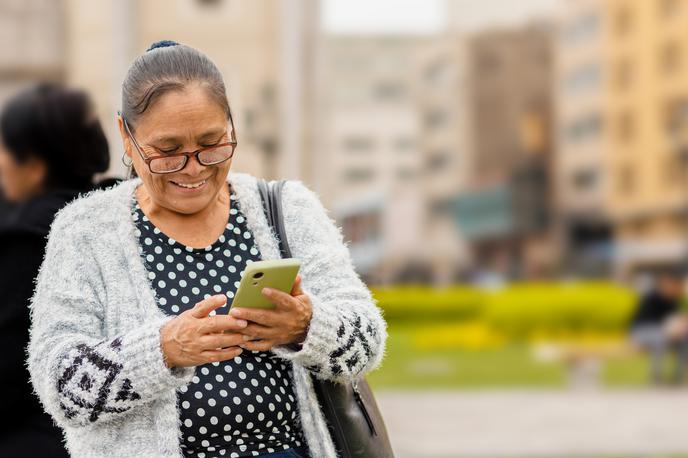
(286, 324)
(194, 338)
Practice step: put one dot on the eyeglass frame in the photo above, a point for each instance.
(187, 155)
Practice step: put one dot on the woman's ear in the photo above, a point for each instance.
(126, 141)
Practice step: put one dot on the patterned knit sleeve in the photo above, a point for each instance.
(347, 334)
(80, 376)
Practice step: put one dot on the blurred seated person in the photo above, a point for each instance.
(658, 327)
(51, 147)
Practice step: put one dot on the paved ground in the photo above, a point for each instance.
(536, 423)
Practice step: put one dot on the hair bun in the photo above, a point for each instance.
(162, 44)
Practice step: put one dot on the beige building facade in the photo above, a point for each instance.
(646, 56)
(445, 143)
(581, 174)
(33, 36)
(371, 173)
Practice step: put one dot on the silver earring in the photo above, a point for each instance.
(124, 160)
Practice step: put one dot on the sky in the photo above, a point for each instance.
(428, 16)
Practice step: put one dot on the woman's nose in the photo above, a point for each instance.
(193, 167)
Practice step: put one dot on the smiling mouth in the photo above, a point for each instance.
(190, 185)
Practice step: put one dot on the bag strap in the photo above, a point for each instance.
(271, 196)
(335, 399)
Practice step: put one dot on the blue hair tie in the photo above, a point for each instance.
(162, 44)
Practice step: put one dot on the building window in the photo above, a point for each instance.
(436, 118)
(583, 78)
(406, 174)
(623, 74)
(438, 72)
(675, 171)
(670, 8)
(586, 128)
(389, 91)
(625, 127)
(670, 56)
(626, 179)
(584, 28)
(209, 3)
(364, 227)
(405, 144)
(676, 122)
(623, 20)
(438, 161)
(358, 175)
(585, 180)
(358, 144)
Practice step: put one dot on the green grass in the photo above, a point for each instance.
(624, 373)
(408, 366)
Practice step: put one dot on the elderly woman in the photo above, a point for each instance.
(133, 350)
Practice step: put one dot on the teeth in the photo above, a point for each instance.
(190, 186)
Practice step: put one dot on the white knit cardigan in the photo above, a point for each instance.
(94, 354)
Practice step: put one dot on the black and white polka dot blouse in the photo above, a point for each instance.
(237, 408)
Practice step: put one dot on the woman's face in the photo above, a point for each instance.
(20, 180)
(181, 121)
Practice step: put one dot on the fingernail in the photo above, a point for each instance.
(242, 323)
(267, 291)
(235, 312)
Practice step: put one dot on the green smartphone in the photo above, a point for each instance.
(277, 274)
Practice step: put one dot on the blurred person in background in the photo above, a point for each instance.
(52, 146)
(658, 327)
(127, 351)
(5, 207)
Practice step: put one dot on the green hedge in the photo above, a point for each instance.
(419, 303)
(525, 309)
(518, 310)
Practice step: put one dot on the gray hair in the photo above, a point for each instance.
(164, 67)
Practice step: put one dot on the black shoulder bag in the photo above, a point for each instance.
(353, 417)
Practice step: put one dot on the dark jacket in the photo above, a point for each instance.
(28, 431)
(653, 309)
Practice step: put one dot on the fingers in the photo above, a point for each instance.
(221, 355)
(260, 316)
(296, 289)
(202, 309)
(217, 341)
(279, 298)
(257, 331)
(221, 323)
(259, 345)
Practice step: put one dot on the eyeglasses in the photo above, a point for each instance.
(174, 162)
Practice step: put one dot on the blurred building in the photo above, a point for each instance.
(581, 174)
(263, 48)
(33, 44)
(445, 142)
(445, 167)
(506, 211)
(370, 169)
(645, 110)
